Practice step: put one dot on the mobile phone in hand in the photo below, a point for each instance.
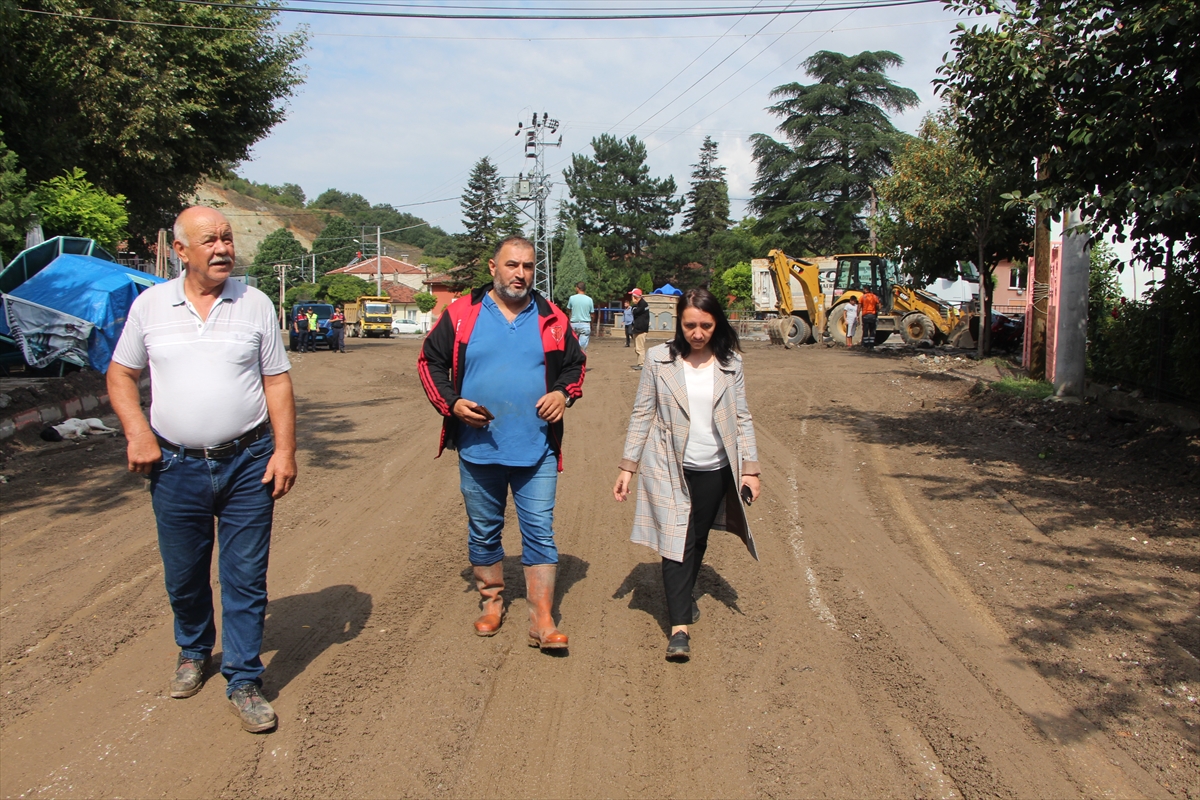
(481, 409)
(747, 495)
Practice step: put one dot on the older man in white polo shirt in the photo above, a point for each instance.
(220, 442)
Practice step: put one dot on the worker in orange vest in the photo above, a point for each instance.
(870, 316)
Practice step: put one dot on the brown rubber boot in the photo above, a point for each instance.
(490, 582)
(539, 593)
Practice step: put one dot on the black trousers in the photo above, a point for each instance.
(628, 334)
(869, 321)
(679, 577)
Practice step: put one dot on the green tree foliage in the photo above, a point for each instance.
(301, 293)
(614, 200)
(677, 259)
(278, 247)
(482, 206)
(645, 282)
(813, 187)
(397, 226)
(70, 205)
(608, 280)
(1109, 90)
(288, 194)
(337, 244)
(571, 268)
(343, 289)
(146, 110)
(740, 243)
(943, 205)
(17, 204)
(1154, 343)
(739, 282)
(708, 198)
(425, 301)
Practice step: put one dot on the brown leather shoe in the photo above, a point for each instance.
(539, 594)
(490, 582)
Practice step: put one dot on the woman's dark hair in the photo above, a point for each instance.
(724, 340)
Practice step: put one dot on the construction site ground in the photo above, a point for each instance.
(960, 594)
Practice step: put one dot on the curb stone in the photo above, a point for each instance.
(54, 412)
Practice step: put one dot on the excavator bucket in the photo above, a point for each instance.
(960, 335)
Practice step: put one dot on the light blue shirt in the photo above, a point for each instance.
(581, 308)
(506, 372)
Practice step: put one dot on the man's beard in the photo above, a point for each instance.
(509, 294)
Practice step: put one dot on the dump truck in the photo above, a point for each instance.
(825, 285)
(369, 316)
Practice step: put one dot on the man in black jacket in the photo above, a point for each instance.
(641, 325)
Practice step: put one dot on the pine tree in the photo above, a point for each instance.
(571, 268)
(708, 197)
(483, 205)
(615, 201)
(814, 187)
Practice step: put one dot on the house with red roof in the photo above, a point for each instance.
(392, 271)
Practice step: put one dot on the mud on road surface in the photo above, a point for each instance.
(955, 599)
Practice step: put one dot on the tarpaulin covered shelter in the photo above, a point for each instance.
(72, 307)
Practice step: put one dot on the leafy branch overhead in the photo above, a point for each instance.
(1104, 93)
(146, 110)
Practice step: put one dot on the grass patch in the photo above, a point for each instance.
(1026, 388)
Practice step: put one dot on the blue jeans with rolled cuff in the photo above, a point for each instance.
(187, 494)
(485, 494)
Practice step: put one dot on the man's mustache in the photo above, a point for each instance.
(219, 260)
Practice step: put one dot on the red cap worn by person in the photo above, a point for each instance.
(636, 293)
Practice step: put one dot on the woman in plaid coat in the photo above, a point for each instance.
(689, 431)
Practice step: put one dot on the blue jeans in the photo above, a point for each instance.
(187, 493)
(485, 494)
(584, 331)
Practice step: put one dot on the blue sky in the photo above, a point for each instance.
(399, 110)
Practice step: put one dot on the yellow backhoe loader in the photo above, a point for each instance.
(917, 315)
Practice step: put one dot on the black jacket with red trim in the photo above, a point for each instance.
(444, 355)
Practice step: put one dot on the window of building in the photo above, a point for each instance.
(1017, 277)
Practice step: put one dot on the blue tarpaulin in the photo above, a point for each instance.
(81, 289)
(667, 288)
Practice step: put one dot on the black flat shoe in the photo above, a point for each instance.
(695, 612)
(677, 647)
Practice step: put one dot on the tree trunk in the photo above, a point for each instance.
(985, 305)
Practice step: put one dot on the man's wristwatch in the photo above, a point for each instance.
(570, 400)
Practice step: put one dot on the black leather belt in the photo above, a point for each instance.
(227, 450)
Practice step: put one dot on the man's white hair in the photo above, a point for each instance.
(180, 231)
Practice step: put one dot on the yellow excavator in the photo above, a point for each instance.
(917, 315)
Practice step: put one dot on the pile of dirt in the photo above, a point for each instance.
(19, 394)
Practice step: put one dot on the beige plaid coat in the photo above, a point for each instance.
(658, 432)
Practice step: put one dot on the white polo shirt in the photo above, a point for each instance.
(205, 375)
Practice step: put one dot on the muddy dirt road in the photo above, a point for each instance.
(938, 612)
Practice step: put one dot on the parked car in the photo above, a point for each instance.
(406, 326)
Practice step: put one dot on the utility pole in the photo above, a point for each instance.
(1038, 285)
(529, 192)
(874, 249)
(378, 260)
(281, 273)
(1070, 330)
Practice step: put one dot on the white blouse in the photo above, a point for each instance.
(703, 451)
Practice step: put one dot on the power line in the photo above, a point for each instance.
(710, 71)
(677, 74)
(699, 14)
(411, 37)
(727, 77)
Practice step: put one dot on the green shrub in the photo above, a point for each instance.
(1025, 388)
